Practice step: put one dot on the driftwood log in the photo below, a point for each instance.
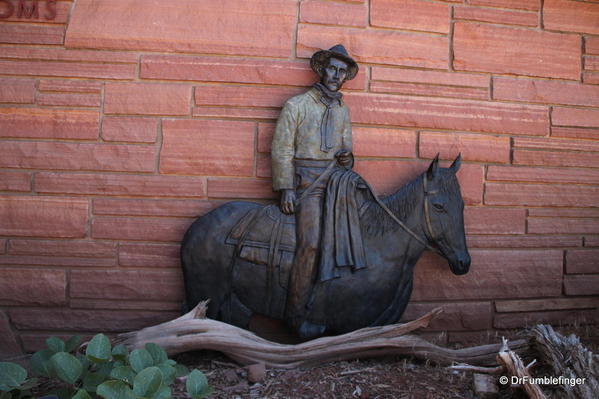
(566, 355)
(193, 331)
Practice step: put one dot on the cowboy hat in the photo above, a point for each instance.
(320, 60)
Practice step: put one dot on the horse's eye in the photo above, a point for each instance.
(438, 206)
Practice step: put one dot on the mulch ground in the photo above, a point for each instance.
(383, 378)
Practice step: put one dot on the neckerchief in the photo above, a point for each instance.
(328, 98)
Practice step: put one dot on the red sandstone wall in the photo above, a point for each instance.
(123, 120)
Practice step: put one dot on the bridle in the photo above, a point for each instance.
(427, 215)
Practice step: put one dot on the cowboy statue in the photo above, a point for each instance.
(331, 257)
(311, 151)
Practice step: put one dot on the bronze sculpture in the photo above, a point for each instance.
(355, 252)
(312, 131)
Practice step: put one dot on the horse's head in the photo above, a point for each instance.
(444, 214)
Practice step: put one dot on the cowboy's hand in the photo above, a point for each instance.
(287, 201)
(344, 158)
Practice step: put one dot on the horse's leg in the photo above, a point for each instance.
(204, 278)
(395, 310)
(234, 312)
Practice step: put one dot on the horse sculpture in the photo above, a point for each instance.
(242, 266)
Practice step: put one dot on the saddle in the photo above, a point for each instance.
(264, 241)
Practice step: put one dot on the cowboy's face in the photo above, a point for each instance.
(334, 74)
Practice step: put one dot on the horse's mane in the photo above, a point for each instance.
(402, 203)
(376, 221)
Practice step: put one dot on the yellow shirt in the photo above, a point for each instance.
(297, 135)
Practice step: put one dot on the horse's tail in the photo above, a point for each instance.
(206, 256)
(187, 266)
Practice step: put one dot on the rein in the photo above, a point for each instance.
(427, 215)
(320, 178)
(429, 226)
(402, 224)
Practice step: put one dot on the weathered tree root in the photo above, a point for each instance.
(575, 370)
(514, 366)
(570, 359)
(193, 331)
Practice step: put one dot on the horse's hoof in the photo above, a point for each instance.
(309, 330)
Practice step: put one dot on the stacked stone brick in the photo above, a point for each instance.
(123, 120)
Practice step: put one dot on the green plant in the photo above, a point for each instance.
(14, 382)
(103, 372)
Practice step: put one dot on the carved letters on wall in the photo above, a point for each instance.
(28, 9)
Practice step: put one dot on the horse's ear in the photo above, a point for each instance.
(432, 169)
(455, 166)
